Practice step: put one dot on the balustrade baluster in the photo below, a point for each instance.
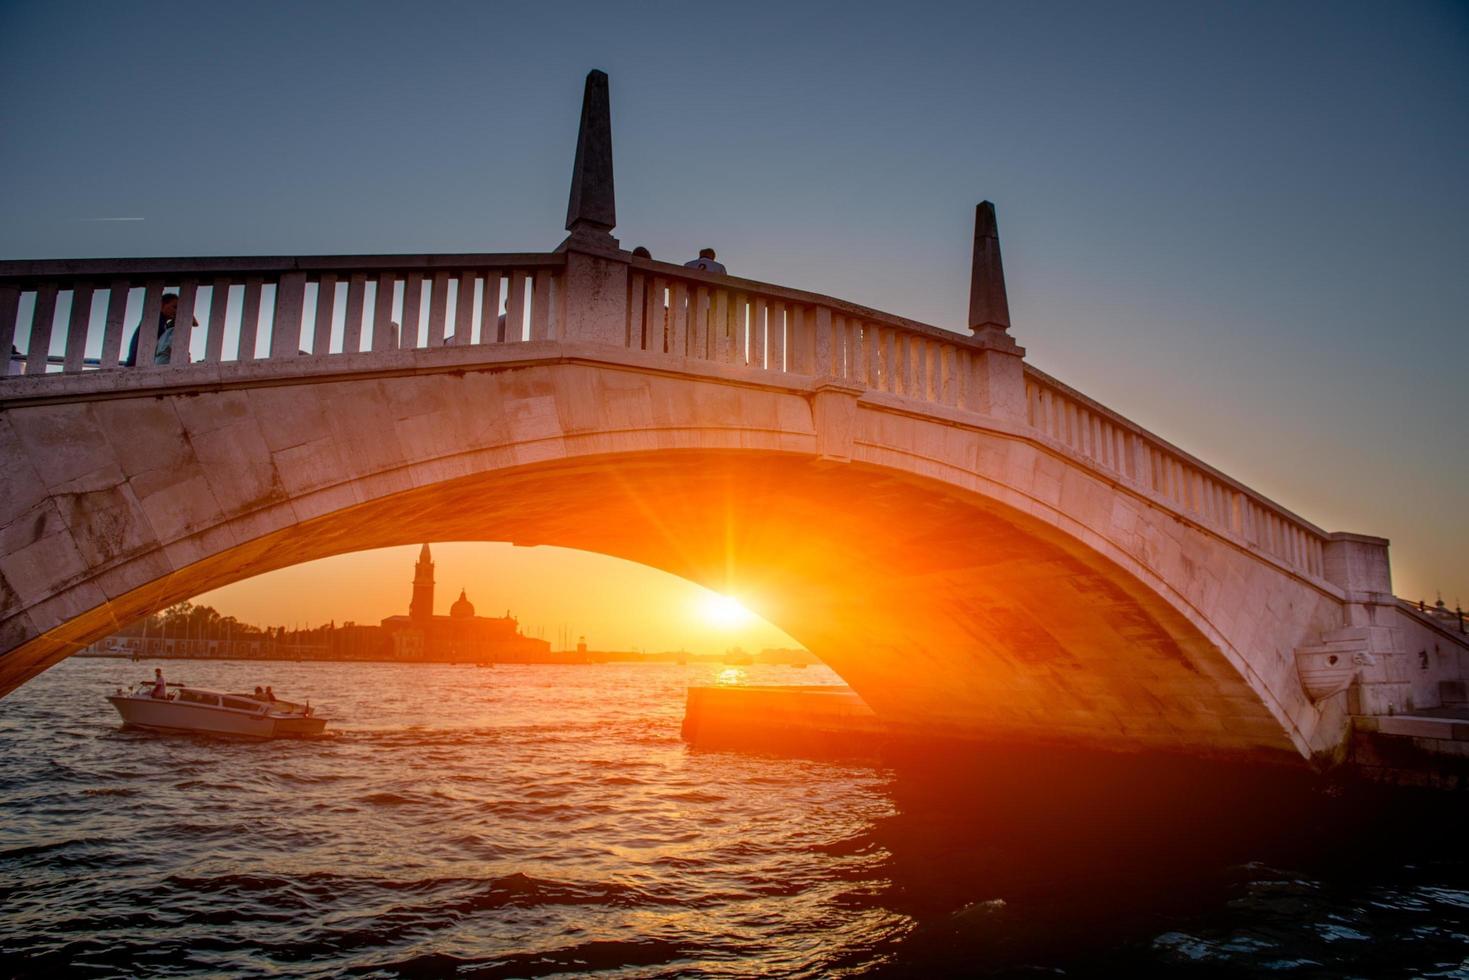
(148, 325)
(38, 347)
(326, 309)
(933, 384)
(655, 316)
(740, 313)
(183, 323)
(699, 322)
(491, 330)
(678, 318)
(636, 307)
(9, 310)
(872, 367)
(902, 363)
(77, 328)
(721, 330)
(852, 362)
(775, 336)
(757, 331)
(382, 313)
(356, 303)
(540, 308)
(800, 339)
(219, 305)
(413, 310)
(515, 307)
(964, 375)
(463, 284)
(438, 309)
(888, 344)
(1138, 458)
(917, 367)
(112, 325)
(824, 343)
(290, 303)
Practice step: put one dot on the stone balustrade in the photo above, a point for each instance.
(1145, 461)
(80, 315)
(75, 316)
(684, 312)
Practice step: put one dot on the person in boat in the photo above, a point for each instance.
(160, 689)
(259, 693)
(269, 694)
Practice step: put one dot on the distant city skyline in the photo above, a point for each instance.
(1242, 226)
(622, 606)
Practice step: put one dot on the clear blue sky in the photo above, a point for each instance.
(1244, 225)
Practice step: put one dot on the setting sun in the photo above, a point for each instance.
(725, 611)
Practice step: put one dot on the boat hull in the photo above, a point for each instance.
(175, 716)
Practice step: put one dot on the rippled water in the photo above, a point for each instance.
(540, 820)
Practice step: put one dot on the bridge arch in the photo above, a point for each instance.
(961, 574)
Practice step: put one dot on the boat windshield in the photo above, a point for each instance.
(198, 697)
(242, 704)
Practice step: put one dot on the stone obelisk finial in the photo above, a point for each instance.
(591, 213)
(989, 310)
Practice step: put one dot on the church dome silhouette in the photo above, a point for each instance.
(462, 608)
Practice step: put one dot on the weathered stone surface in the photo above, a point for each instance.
(962, 572)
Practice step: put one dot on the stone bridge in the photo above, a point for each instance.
(978, 549)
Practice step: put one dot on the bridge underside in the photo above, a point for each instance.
(950, 613)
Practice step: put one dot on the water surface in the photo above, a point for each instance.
(547, 820)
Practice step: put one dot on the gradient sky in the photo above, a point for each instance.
(1244, 226)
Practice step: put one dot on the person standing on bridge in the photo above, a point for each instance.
(705, 262)
(163, 349)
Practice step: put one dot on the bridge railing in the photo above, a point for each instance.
(80, 315)
(1144, 460)
(681, 312)
(70, 316)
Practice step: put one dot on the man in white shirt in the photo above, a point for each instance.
(706, 262)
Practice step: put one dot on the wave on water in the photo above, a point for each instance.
(532, 823)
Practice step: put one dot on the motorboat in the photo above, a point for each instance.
(195, 709)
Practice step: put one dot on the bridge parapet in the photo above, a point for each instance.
(1161, 470)
(683, 312)
(78, 315)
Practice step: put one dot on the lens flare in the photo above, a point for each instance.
(725, 611)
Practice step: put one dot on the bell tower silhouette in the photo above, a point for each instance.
(421, 607)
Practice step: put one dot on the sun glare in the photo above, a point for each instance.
(725, 611)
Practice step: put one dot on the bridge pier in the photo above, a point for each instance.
(1368, 639)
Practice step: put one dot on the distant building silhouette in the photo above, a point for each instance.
(421, 606)
(459, 636)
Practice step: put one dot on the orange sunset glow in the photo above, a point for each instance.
(615, 604)
(715, 492)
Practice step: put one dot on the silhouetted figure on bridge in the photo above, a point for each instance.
(163, 347)
(641, 253)
(706, 263)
